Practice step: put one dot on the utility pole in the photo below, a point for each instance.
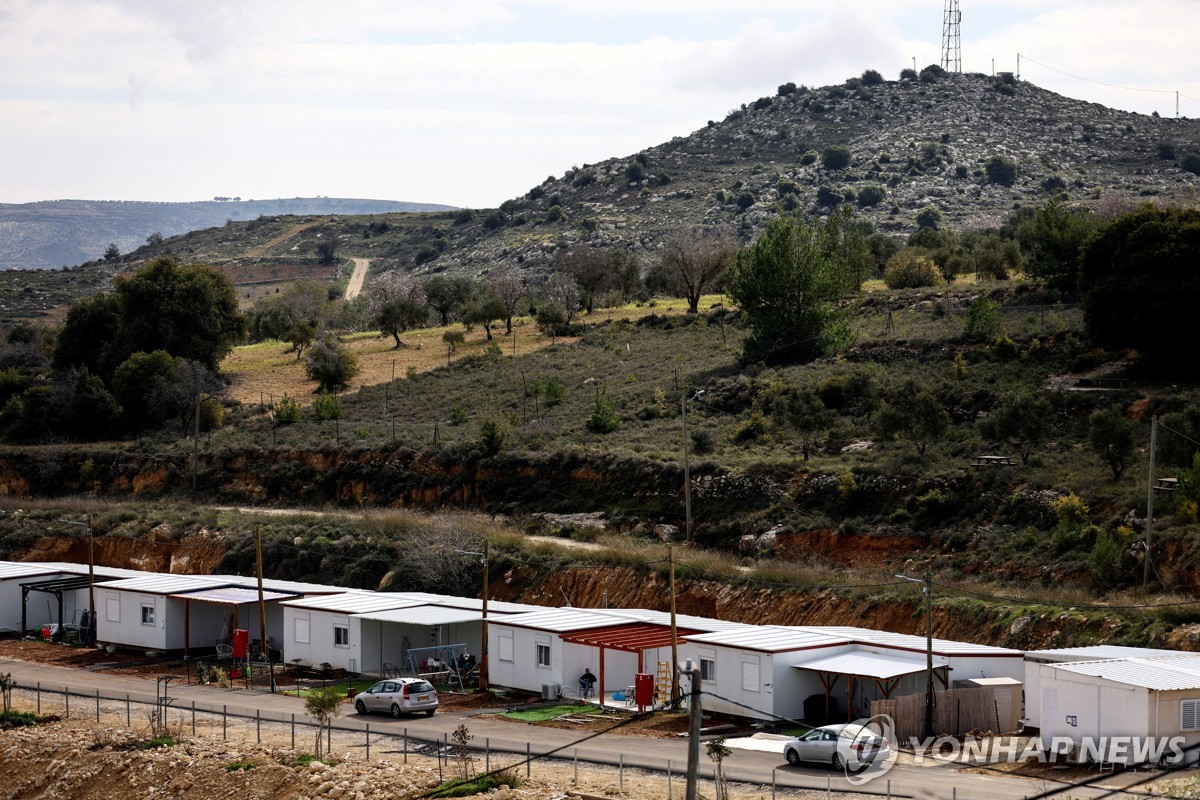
(928, 589)
(693, 753)
(195, 440)
(1146, 567)
(262, 606)
(483, 652)
(687, 477)
(674, 632)
(87, 526)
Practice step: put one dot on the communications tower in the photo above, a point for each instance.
(952, 38)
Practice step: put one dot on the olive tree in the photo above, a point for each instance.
(695, 259)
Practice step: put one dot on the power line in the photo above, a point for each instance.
(1024, 57)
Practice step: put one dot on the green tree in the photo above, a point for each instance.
(190, 386)
(912, 268)
(135, 381)
(1111, 436)
(491, 437)
(330, 365)
(446, 294)
(801, 408)
(1022, 421)
(453, 339)
(913, 412)
(604, 417)
(836, 157)
(485, 313)
(1001, 170)
(112, 252)
(399, 314)
(90, 327)
(91, 412)
(592, 270)
(323, 705)
(695, 259)
(1052, 236)
(326, 406)
(191, 312)
(508, 286)
(983, 320)
(787, 284)
(1138, 284)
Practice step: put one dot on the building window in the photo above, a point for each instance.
(341, 636)
(708, 669)
(543, 655)
(1189, 715)
(147, 615)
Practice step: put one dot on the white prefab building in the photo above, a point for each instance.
(1150, 699)
(1065, 655)
(31, 590)
(327, 629)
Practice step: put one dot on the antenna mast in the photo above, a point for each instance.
(952, 38)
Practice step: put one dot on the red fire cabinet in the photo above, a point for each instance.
(643, 689)
(241, 642)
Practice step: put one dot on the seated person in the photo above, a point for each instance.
(586, 682)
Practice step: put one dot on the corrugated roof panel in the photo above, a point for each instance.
(352, 602)
(232, 595)
(869, 665)
(1159, 673)
(1096, 653)
(425, 615)
(681, 620)
(768, 638)
(17, 569)
(561, 619)
(158, 583)
(906, 641)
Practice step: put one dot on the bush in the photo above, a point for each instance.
(809, 157)
(871, 77)
(635, 172)
(454, 339)
(930, 218)
(912, 268)
(983, 320)
(908, 74)
(327, 406)
(330, 365)
(871, 196)
(836, 157)
(931, 73)
(750, 430)
(1165, 151)
(286, 410)
(1001, 170)
(745, 200)
(1191, 163)
(491, 437)
(702, 442)
(604, 417)
(786, 89)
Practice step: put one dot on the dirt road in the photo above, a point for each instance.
(354, 288)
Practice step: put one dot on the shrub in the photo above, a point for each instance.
(285, 411)
(745, 200)
(786, 89)
(327, 406)
(912, 268)
(635, 172)
(908, 74)
(556, 214)
(871, 77)
(1001, 170)
(761, 103)
(828, 197)
(1004, 348)
(836, 157)
(491, 437)
(871, 196)
(1165, 151)
(809, 157)
(931, 73)
(604, 417)
(930, 218)
(983, 320)
(454, 339)
(1191, 163)
(751, 429)
(457, 416)
(493, 221)
(702, 442)
(330, 365)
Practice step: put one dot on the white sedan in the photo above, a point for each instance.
(847, 744)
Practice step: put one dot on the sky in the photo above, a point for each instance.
(472, 102)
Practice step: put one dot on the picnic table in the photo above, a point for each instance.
(994, 461)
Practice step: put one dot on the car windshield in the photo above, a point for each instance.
(420, 686)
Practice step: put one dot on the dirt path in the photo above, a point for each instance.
(354, 288)
(255, 252)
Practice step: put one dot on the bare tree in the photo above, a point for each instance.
(564, 291)
(508, 286)
(592, 270)
(696, 258)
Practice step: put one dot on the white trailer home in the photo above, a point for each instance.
(1149, 699)
(328, 629)
(36, 593)
(1065, 655)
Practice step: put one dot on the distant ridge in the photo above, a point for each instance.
(58, 233)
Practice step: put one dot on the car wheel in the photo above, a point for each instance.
(837, 761)
(396, 711)
(429, 713)
(360, 707)
(793, 757)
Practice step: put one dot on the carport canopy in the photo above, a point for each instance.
(885, 671)
(232, 596)
(635, 637)
(54, 586)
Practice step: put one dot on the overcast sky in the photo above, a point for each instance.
(471, 102)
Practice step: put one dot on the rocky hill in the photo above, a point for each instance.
(68, 232)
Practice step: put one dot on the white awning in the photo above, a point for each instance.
(869, 665)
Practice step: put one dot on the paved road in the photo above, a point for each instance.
(932, 781)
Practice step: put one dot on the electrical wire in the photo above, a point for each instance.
(1063, 604)
(1102, 83)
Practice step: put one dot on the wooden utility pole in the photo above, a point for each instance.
(674, 632)
(693, 753)
(687, 477)
(195, 439)
(1146, 567)
(91, 580)
(262, 606)
(483, 652)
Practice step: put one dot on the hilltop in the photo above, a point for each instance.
(67, 232)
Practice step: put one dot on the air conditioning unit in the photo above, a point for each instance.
(551, 691)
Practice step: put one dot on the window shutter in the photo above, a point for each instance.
(1189, 715)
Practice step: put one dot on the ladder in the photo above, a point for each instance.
(662, 684)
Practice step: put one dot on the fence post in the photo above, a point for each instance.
(406, 745)
(487, 754)
(193, 719)
(576, 766)
(67, 700)
(329, 738)
(621, 773)
(128, 718)
(668, 779)
(368, 741)
(224, 722)
(97, 705)
(39, 698)
(828, 787)
(772, 783)
(293, 731)
(528, 759)
(257, 726)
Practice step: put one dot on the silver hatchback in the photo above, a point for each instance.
(398, 696)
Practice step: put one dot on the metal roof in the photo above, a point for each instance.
(19, 569)
(769, 638)
(424, 615)
(1158, 673)
(631, 637)
(664, 618)
(159, 583)
(868, 665)
(1096, 652)
(232, 595)
(561, 620)
(353, 603)
(905, 641)
(494, 606)
(68, 568)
